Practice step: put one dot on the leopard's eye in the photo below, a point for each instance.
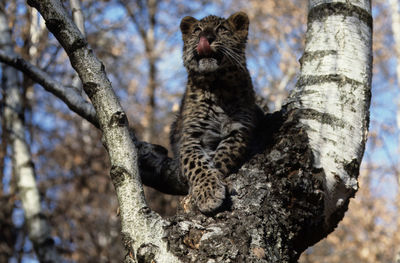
(196, 30)
(222, 29)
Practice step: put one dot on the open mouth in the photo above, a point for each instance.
(209, 62)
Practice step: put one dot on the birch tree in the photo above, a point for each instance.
(336, 63)
(37, 225)
(306, 157)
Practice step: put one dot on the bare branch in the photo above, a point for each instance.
(139, 224)
(157, 169)
(68, 95)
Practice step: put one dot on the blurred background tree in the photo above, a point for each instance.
(140, 45)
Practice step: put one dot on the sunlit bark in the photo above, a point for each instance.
(333, 93)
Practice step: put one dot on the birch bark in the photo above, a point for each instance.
(37, 225)
(333, 92)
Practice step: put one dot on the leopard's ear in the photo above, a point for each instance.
(187, 23)
(240, 22)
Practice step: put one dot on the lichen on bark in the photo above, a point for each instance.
(276, 208)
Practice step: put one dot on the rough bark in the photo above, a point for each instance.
(295, 187)
(333, 93)
(36, 222)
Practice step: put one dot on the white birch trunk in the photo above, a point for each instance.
(37, 26)
(333, 92)
(142, 229)
(37, 225)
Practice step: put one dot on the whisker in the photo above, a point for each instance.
(233, 57)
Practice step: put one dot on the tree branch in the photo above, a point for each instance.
(139, 224)
(160, 171)
(68, 95)
(157, 170)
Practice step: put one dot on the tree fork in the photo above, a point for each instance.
(287, 196)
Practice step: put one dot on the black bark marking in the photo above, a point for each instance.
(117, 174)
(91, 88)
(53, 25)
(146, 253)
(319, 79)
(78, 44)
(311, 56)
(322, 117)
(329, 9)
(118, 119)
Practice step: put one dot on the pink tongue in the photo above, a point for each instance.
(203, 48)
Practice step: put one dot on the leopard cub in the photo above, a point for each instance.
(217, 115)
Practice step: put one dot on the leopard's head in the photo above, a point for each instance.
(213, 43)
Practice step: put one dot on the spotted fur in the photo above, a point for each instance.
(217, 113)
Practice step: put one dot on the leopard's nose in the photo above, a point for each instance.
(209, 35)
(210, 38)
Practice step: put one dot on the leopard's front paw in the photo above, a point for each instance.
(209, 194)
